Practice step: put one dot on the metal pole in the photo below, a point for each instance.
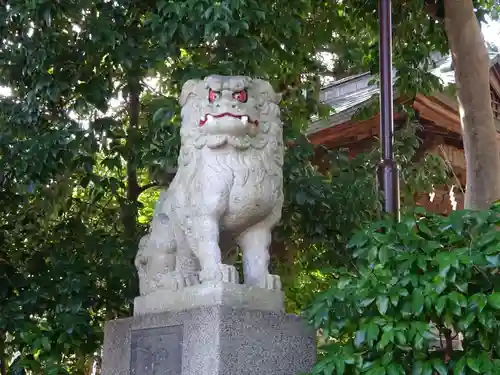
(388, 171)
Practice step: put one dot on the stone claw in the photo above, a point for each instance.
(273, 282)
(222, 274)
(171, 281)
(191, 279)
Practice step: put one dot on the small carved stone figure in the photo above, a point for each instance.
(229, 182)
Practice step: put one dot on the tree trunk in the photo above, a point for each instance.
(471, 62)
(133, 189)
(3, 355)
(130, 210)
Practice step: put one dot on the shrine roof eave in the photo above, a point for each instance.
(349, 95)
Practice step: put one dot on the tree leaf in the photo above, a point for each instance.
(372, 331)
(387, 337)
(340, 366)
(392, 369)
(46, 343)
(360, 337)
(383, 254)
(440, 367)
(366, 302)
(382, 304)
(494, 300)
(417, 303)
(484, 340)
(440, 305)
(473, 364)
(400, 338)
(418, 368)
(478, 301)
(460, 366)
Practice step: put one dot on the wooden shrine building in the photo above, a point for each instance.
(438, 114)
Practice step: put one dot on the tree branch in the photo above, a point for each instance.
(3, 355)
(145, 187)
(133, 109)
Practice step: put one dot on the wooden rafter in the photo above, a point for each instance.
(434, 110)
(495, 79)
(349, 132)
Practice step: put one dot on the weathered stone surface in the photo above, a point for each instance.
(263, 343)
(227, 294)
(117, 344)
(229, 182)
(156, 351)
(216, 340)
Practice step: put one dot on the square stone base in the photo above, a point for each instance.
(214, 340)
(202, 295)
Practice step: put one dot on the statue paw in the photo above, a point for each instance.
(171, 281)
(273, 282)
(191, 279)
(229, 274)
(222, 274)
(264, 281)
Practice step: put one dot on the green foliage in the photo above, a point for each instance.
(414, 284)
(321, 211)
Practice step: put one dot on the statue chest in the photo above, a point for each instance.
(251, 201)
(240, 191)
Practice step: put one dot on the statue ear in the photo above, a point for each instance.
(277, 97)
(187, 89)
(265, 88)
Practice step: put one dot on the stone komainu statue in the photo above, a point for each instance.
(229, 182)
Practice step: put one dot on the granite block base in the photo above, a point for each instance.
(203, 295)
(213, 340)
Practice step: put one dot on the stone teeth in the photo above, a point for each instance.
(210, 118)
(202, 118)
(244, 120)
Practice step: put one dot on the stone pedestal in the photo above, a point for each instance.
(204, 295)
(227, 336)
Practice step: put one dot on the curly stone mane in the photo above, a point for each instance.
(265, 147)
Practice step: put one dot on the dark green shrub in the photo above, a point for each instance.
(413, 287)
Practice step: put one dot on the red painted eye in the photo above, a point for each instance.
(212, 95)
(241, 96)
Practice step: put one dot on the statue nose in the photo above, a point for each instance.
(227, 104)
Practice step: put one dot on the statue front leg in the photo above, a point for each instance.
(187, 263)
(255, 243)
(203, 238)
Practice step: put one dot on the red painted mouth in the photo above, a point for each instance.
(204, 120)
